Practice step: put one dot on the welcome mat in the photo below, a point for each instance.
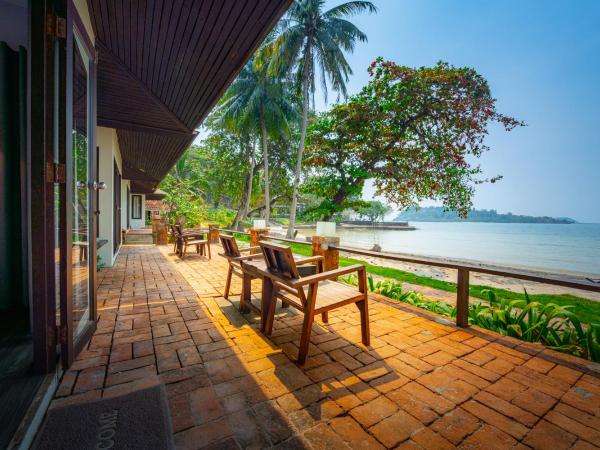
(139, 420)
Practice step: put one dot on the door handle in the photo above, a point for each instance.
(99, 185)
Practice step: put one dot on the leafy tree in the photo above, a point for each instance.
(374, 210)
(207, 176)
(312, 41)
(415, 131)
(259, 100)
(186, 207)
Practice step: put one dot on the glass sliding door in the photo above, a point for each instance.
(82, 236)
(117, 209)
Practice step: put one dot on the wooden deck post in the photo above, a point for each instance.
(159, 231)
(255, 236)
(213, 233)
(462, 298)
(320, 247)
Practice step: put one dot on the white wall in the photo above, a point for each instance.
(106, 139)
(136, 224)
(124, 185)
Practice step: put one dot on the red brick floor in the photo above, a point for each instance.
(423, 383)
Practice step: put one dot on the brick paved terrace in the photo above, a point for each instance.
(423, 383)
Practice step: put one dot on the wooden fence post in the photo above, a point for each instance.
(255, 237)
(213, 233)
(159, 231)
(321, 247)
(462, 298)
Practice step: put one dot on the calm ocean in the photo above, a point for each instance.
(574, 248)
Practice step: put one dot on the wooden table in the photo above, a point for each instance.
(193, 233)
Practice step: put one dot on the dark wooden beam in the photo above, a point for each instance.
(42, 264)
(133, 173)
(105, 52)
(141, 127)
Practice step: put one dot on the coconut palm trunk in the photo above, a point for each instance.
(245, 207)
(263, 130)
(294, 206)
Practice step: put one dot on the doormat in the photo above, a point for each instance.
(139, 420)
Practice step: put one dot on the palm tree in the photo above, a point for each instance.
(259, 100)
(311, 40)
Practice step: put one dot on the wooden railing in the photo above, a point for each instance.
(331, 248)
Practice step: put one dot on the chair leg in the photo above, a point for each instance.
(228, 282)
(305, 339)
(208, 248)
(363, 307)
(325, 317)
(267, 307)
(246, 293)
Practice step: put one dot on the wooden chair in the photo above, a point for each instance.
(234, 256)
(175, 235)
(192, 239)
(313, 294)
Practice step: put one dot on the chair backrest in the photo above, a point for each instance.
(229, 245)
(174, 230)
(280, 260)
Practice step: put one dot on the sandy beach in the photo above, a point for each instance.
(444, 274)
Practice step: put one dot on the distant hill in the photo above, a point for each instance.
(437, 214)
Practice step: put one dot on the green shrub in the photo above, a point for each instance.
(547, 323)
(222, 216)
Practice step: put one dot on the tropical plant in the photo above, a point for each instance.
(259, 100)
(310, 41)
(415, 132)
(549, 324)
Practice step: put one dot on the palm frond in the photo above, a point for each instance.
(351, 8)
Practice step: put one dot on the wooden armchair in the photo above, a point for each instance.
(175, 234)
(313, 294)
(234, 256)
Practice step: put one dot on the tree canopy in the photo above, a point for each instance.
(374, 210)
(415, 131)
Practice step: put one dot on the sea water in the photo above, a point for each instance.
(571, 248)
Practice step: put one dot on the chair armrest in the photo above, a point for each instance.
(312, 279)
(248, 257)
(308, 260)
(249, 249)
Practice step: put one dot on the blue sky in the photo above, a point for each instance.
(542, 61)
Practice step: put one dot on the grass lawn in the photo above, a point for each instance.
(586, 310)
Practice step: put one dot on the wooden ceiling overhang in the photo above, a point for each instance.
(162, 66)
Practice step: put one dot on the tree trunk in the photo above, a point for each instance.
(263, 129)
(243, 211)
(258, 208)
(292, 223)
